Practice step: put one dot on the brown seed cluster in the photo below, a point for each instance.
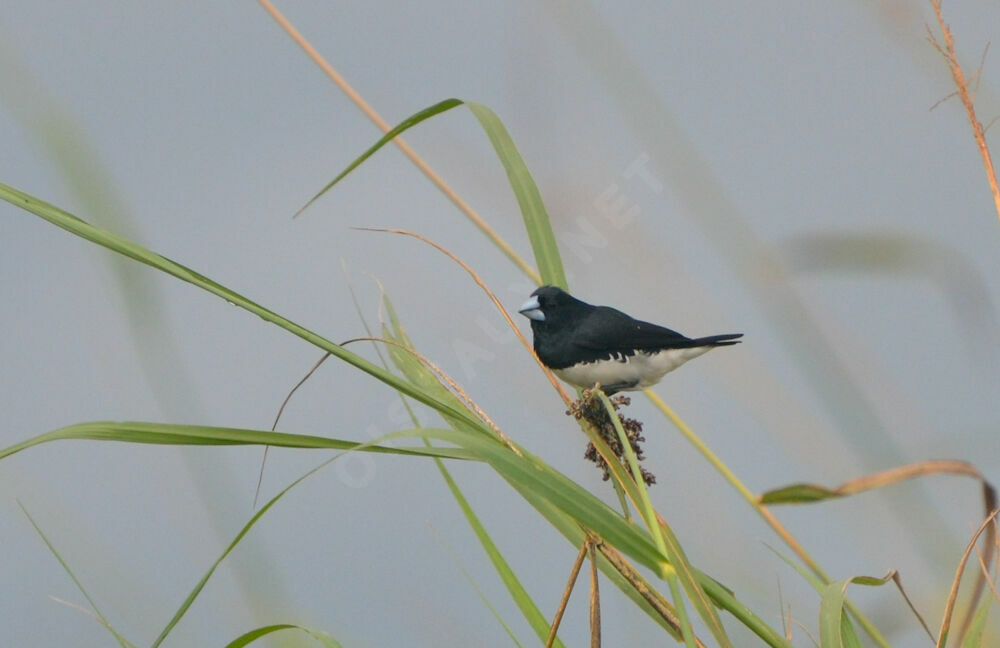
(590, 409)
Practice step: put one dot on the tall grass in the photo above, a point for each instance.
(682, 598)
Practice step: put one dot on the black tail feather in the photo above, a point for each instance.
(725, 339)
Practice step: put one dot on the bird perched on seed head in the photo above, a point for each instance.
(585, 344)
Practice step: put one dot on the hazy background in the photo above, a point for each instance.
(794, 186)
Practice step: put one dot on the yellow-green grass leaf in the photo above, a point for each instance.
(835, 627)
(798, 494)
(189, 600)
(398, 334)
(135, 251)
(399, 129)
(574, 533)
(321, 637)
(420, 374)
(974, 637)
(536, 219)
(518, 593)
(529, 198)
(122, 641)
(173, 434)
(530, 472)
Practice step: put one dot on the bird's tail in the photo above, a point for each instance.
(717, 340)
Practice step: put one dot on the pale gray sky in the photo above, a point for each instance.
(779, 173)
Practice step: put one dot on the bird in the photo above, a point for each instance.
(585, 345)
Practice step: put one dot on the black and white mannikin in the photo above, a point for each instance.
(585, 344)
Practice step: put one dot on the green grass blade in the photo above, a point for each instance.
(482, 595)
(974, 637)
(522, 599)
(321, 637)
(186, 604)
(403, 126)
(798, 494)
(134, 251)
(170, 434)
(122, 641)
(529, 198)
(536, 219)
(571, 530)
(415, 370)
(530, 472)
(835, 627)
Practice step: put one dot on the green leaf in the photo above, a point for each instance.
(170, 434)
(122, 641)
(321, 637)
(835, 627)
(974, 637)
(404, 125)
(798, 494)
(536, 219)
(132, 250)
(417, 372)
(186, 604)
(529, 198)
(518, 593)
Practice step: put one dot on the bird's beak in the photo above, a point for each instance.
(532, 310)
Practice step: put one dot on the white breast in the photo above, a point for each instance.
(644, 369)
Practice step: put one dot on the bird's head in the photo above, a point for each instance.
(548, 304)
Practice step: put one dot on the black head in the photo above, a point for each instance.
(549, 306)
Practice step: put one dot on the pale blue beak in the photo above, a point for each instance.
(532, 310)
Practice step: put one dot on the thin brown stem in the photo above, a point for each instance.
(962, 85)
(263, 460)
(482, 284)
(384, 126)
(569, 590)
(953, 595)
(595, 601)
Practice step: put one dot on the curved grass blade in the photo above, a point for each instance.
(520, 595)
(806, 493)
(186, 604)
(835, 627)
(122, 641)
(536, 219)
(417, 372)
(798, 494)
(530, 472)
(403, 126)
(321, 637)
(529, 198)
(134, 251)
(170, 434)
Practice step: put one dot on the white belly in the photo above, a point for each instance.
(644, 369)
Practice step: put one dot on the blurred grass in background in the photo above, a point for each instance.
(768, 274)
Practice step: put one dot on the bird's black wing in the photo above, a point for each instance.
(609, 330)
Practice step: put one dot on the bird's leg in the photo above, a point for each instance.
(614, 388)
